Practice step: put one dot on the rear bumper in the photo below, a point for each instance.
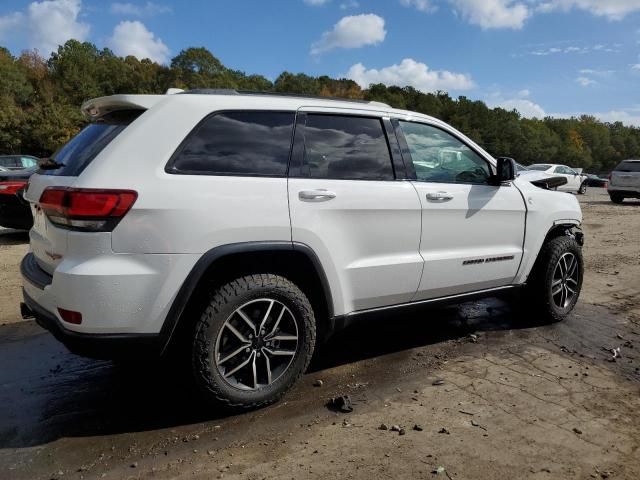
(101, 346)
(630, 192)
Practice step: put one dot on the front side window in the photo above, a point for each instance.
(438, 156)
(237, 143)
(346, 148)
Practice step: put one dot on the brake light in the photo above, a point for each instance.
(86, 209)
(11, 188)
(70, 316)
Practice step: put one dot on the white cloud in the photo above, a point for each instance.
(354, 31)
(412, 73)
(525, 107)
(635, 67)
(422, 5)
(349, 4)
(9, 22)
(492, 13)
(611, 9)
(585, 81)
(598, 73)
(146, 10)
(315, 3)
(133, 38)
(53, 22)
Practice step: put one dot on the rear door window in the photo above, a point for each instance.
(345, 147)
(254, 143)
(80, 151)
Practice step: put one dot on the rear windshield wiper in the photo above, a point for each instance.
(49, 164)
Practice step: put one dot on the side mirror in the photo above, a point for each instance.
(505, 170)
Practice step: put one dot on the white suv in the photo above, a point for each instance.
(245, 228)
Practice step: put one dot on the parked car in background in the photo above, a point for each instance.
(14, 210)
(18, 162)
(576, 182)
(596, 181)
(624, 181)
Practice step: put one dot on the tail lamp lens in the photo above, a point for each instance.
(86, 209)
(11, 188)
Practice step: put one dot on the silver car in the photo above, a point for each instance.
(624, 181)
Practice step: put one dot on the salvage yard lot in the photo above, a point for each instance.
(493, 394)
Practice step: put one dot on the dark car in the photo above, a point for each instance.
(14, 210)
(596, 181)
(17, 162)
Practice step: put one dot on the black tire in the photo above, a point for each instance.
(539, 286)
(224, 302)
(583, 188)
(616, 198)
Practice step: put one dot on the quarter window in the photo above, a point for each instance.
(346, 148)
(440, 157)
(238, 143)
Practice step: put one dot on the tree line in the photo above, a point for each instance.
(40, 100)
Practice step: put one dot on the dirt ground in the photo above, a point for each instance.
(478, 391)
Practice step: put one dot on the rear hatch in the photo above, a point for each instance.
(626, 174)
(110, 116)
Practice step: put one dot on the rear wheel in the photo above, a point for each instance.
(556, 280)
(253, 341)
(615, 198)
(583, 188)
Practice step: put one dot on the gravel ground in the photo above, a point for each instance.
(477, 390)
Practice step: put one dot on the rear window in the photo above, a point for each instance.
(539, 167)
(79, 152)
(628, 167)
(237, 143)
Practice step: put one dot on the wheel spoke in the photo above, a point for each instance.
(283, 353)
(233, 354)
(572, 280)
(570, 289)
(557, 290)
(240, 336)
(247, 320)
(275, 326)
(266, 315)
(284, 338)
(255, 372)
(243, 364)
(266, 359)
(556, 283)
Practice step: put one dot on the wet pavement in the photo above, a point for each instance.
(84, 418)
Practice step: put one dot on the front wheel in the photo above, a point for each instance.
(253, 341)
(556, 280)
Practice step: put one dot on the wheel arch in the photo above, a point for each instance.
(296, 261)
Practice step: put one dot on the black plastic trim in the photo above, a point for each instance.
(95, 345)
(32, 272)
(197, 272)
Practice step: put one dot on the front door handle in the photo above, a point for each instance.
(439, 196)
(319, 195)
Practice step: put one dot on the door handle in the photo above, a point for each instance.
(319, 195)
(439, 196)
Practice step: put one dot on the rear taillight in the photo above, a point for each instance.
(11, 188)
(86, 209)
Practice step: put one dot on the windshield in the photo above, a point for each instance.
(73, 157)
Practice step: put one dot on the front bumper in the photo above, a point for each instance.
(94, 345)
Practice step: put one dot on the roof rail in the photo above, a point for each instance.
(230, 91)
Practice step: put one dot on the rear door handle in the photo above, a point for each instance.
(439, 196)
(319, 195)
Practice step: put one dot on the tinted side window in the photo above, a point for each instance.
(346, 148)
(438, 156)
(238, 143)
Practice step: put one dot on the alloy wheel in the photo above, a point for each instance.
(564, 283)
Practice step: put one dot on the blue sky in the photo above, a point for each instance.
(543, 57)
